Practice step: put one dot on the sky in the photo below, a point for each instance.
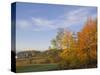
(37, 24)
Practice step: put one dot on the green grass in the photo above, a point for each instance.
(36, 68)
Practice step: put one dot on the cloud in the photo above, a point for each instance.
(70, 18)
(77, 15)
(42, 22)
(23, 24)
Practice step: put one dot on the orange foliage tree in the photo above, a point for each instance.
(78, 50)
(87, 40)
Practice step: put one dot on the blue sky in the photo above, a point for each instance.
(37, 24)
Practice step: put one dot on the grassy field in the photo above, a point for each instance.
(36, 68)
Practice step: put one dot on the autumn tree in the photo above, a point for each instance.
(62, 40)
(69, 54)
(66, 41)
(78, 50)
(87, 39)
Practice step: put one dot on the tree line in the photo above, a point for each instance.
(78, 50)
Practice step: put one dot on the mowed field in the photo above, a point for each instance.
(36, 68)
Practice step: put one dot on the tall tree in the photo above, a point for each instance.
(88, 40)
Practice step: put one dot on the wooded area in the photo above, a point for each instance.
(69, 50)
